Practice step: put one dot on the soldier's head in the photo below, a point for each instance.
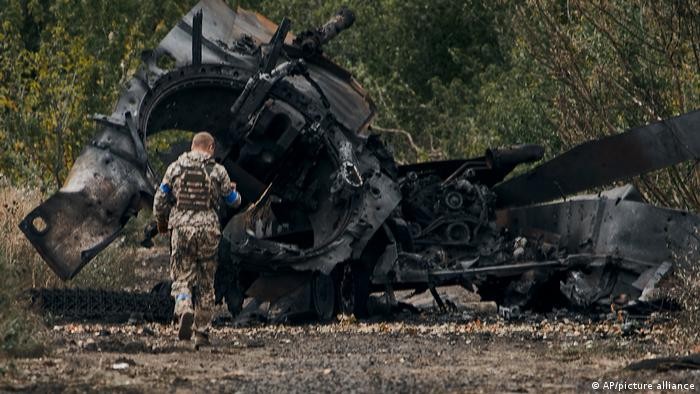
(203, 142)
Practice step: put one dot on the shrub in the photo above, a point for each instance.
(684, 288)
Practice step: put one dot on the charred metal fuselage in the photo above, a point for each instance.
(329, 216)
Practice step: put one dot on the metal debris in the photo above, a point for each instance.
(103, 305)
(691, 361)
(330, 217)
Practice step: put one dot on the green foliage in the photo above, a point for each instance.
(159, 147)
(615, 65)
(19, 336)
(449, 78)
(19, 330)
(62, 61)
(421, 63)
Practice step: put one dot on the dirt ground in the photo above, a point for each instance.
(429, 352)
(415, 354)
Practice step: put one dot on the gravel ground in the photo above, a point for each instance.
(425, 353)
(430, 352)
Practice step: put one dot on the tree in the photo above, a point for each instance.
(449, 78)
(62, 61)
(421, 63)
(616, 65)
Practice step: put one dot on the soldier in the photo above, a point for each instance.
(186, 204)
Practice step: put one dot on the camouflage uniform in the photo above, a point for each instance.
(188, 199)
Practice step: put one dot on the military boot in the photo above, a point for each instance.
(184, 329)
(185, 315)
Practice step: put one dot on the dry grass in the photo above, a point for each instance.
(113, 268)
(20, 332)
(22, 268)
(684, 288)
(16, 252)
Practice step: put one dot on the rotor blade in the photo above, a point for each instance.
(600, 162)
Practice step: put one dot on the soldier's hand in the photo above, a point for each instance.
(162, 227)
(233, 185)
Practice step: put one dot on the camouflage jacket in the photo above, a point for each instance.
(164, 203)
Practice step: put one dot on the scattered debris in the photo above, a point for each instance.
(330, 218)
(120, 366)
(88, 344)
(509, 313)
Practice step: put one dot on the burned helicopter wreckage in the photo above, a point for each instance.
(330, 217)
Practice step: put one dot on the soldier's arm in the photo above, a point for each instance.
(163, 200)
(228, 191)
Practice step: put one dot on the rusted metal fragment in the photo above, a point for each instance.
(104, 189)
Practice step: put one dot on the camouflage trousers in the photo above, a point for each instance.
(193, 255)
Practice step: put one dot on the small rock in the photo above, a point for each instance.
(124, 360)
(147, 331)
(120, 366)
(89, 345)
